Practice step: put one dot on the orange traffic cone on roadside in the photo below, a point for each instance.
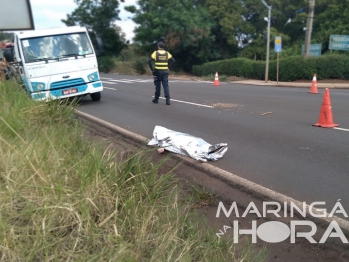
(325, 118)
(216, 80)
(313, 88)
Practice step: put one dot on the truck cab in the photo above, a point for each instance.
(57, 63)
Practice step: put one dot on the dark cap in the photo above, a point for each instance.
(161, 44)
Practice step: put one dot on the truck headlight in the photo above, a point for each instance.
(93, 77)
(38, 86)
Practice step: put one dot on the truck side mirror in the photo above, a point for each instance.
(100, 46)
(8, 54)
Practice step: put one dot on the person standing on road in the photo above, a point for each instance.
(160, 71)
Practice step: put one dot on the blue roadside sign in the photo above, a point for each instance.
(339, 42)
(278, 44)
(315, 49)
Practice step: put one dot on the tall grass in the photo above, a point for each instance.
(63, 198)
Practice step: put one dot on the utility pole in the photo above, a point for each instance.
(268, 43)
(309, 28)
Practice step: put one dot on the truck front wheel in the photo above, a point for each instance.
(96, 96)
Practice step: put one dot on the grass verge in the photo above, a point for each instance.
(63, 198)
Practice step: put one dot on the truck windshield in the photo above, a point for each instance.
(56, 47)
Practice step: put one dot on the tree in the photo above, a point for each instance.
(6, 36)
(98, 16)
(288, 18)
(331, 18)
(184, 25)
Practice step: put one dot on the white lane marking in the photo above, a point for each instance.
(110, 88)
(137, 80)
(188, 81)
(110, 82)
(128, 80)
(205, 81)
(188, 103)
(144, 81)
(342, 129)
(122, 81)
(131, 80)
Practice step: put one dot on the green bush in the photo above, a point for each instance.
(290, 68)
(106, 63)
(139, 65)
(126, 55)
(296, 67)
(123, 68)
(333, 66)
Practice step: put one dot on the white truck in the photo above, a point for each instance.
(56, 63)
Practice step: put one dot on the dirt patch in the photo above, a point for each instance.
(221, 105)
(226, 193)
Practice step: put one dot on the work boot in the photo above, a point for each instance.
(168, 101)
(155, 101)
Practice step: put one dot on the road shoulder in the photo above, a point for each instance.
(225, 192)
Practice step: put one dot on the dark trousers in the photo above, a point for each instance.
(161, 76)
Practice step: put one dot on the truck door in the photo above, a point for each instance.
(19, 65)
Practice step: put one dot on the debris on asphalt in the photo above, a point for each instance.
(266, 113)
(225, 105)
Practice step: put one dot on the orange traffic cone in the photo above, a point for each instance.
(216, 80)
(325, 118)
(313, 89)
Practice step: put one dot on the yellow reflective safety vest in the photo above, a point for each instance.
(161, 58)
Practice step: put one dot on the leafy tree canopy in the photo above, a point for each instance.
(6, 36)
(184, 25)
(198, 31)
(98, 16)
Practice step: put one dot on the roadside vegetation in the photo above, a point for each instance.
(64, 198)
(129, 62)
(220, 35)
(199, 32)
(330, 66)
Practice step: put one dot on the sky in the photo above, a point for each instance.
(48, 14)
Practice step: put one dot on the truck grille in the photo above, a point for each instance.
(67, 83)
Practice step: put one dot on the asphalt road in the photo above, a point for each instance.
(269, 130)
